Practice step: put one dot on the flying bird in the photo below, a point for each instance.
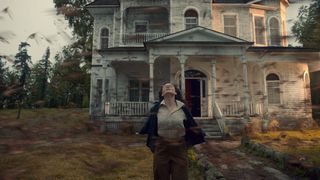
(38, 36)
(7, 11)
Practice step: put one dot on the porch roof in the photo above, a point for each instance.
(281, 49)
(199, 35)
(104, 2)
(281, 54)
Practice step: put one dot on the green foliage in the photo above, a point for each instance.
(21, 64)
(307, 28)
(3, 72)
(70, 82)
(39, 80)
(81, 23)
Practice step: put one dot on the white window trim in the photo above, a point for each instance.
(184, 19)
(254, 29)
(104, 27)
(237, 21)
(139, 89)
(140, 21)
(280, 86)
(269, 31)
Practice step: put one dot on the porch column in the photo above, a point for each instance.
(214, 84)
(112, 83)
(151, 77)
(245, 88)
(103, 97)
(265, 101)
(183, 60)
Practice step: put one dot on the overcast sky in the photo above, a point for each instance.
(39, 16)
(32, 16)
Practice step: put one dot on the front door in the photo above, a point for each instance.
(193, 96)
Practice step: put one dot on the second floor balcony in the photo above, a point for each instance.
(143, 24)
(137, 39)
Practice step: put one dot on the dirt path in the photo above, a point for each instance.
(233, 163)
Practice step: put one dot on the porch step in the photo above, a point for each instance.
(211, 128)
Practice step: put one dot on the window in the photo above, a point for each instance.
(273, 88)
(98, 92)
(191, 18)
(106, 89)
(141, 26)
(230, 24)
(138, 90)
(104, 38)
(274, 32)
(99, 89)
(259, 30)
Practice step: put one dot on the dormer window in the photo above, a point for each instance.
(104, 38)
(274, 32)
(191, 18)
(141, 26)
(259, 29)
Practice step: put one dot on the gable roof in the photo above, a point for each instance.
(199, 35)
(105, 2)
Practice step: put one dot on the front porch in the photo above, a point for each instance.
(129, 108)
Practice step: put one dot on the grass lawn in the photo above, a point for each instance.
(59, 144)
(301, 145)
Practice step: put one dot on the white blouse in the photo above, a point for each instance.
(170, 124)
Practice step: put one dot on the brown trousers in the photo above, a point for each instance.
(170, 160)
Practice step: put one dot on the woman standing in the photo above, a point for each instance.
(171, 130)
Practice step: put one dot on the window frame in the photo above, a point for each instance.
(236, 21)
(104, 37)
(185, 18)
(254, 29)
(279, 31)
(141, 21)
(278, 87)
(140, 89)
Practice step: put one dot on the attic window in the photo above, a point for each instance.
(191, 18)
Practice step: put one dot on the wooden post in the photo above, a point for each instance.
(214, 84)
(151, 78)
(245, 88)
(183, 60)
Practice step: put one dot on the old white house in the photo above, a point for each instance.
(230, 58)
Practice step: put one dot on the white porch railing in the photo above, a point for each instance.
(127, 108)
(219, 117)
(237, 108)
(139, 38)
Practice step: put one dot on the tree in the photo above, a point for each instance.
(21, 64)
(39, 79)
(3, 71)
(81, 23)
(307, 28)
(79, 53)
(69, 82)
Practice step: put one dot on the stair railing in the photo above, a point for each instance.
(219, 116)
